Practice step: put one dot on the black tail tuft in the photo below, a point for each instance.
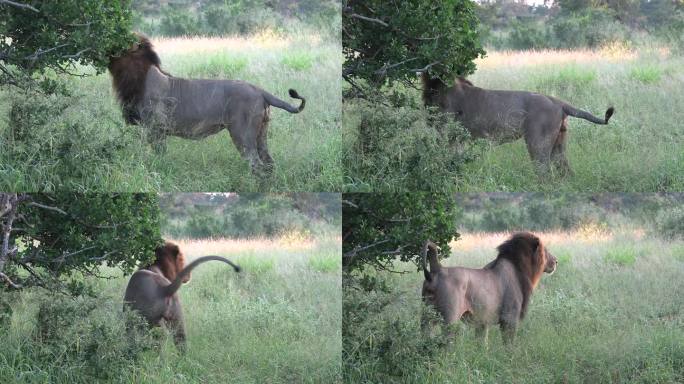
(237, 268)
(294, 94)
(609, 113)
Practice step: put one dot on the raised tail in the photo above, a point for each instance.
(276, 102)
(572, 111)
(173, 287)
(431, 249)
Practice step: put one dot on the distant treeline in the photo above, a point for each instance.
(196, 215)
(509, 24)
(661, 213)
(234, 17)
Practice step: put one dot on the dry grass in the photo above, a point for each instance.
(263, 40)
(199, 247)
(474, 240)
(614, 53)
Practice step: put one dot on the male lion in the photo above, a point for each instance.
(153, 291)
(504, 116)
(496, 294)
(194, 109)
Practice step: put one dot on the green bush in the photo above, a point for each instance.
(405, 149)
(379, 341)
(536, 212)
(526, 35)
(85, 335)
(61, 146)
(178, 22)
(589, 28)
(670, 223)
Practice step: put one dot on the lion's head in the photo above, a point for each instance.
(129, 72)
(170, 260)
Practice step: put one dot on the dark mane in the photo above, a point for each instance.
(129, 73)
(523, 251)
(432, 87)
(169, 259)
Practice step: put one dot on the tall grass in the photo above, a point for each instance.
(278, 321)
(639, 150)
(612, 312)
(101, 153)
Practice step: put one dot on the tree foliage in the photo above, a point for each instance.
(48, 237)
(380, 227)
(55, 34)
(391, 40)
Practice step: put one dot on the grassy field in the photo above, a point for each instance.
(88, 147)
(612, 313)
(278, 321)
(639, 150)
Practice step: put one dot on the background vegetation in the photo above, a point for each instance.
(278, 321)
(572, 24)
(242, 17)
(612, 312)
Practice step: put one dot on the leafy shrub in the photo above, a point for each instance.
(178, 22)
(670, 223)
(406, 149)
(377, 339)
(48, 137)
(535, 212)
(526, 35)
(501, 218)
(82, 334)
(270, 218)
(589, 28)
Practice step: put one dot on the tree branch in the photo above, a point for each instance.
(49, 208)
(425, 68)
(348, 12)
(356, 250)
(18, 5)
(9, 281)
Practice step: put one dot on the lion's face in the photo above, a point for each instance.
(550, 263)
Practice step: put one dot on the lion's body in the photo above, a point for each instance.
(153, 291)
(503, 116)
(497, 294)
(194, 108)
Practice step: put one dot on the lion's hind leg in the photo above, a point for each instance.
(244, 131)
(262, 145)
(174, 322)
(558, 155)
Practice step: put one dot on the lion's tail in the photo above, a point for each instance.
(430, 252)
(175, 285)
(276, 102)
(572, 111)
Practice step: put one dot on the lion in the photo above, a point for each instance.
(194, 109)
(152, 291)
(499, 293)
(503, 116)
